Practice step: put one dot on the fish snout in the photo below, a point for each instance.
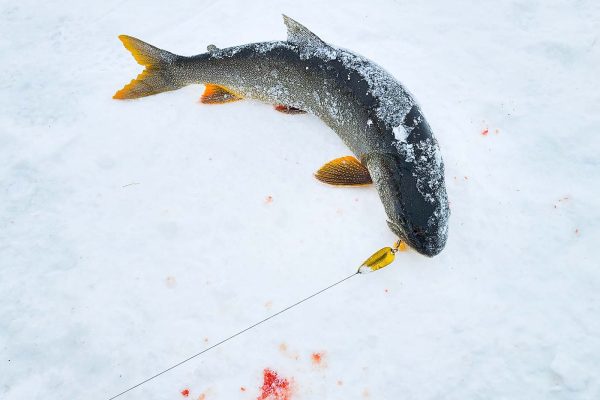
(428, 242)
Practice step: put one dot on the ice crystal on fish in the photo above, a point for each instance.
(406, 150)
(400, 133)
(428, 169)
(394, 100)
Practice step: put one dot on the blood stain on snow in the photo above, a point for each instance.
(485, 132)
(242, 389)
(318, 359)
(268, 199)
(274, 387)
(185, 392)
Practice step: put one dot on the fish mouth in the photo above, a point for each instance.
(418, 239)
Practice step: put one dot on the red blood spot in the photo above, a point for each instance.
(317, 358)
(274, 387)
(485, 132)
(242, 389)
(185, 392)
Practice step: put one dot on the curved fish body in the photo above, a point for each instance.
(375, 116)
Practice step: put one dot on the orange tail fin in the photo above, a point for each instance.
(159, 75)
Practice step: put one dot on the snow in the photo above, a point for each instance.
(400, 133)
(136, 233)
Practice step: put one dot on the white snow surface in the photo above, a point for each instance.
(134, 234)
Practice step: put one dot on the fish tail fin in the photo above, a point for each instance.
(159, 74)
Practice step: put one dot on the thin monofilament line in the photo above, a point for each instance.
(234, 335)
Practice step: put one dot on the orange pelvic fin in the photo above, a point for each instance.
(344, 171)
(288, 110)
(215, 94)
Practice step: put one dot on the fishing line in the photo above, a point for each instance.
(234, 335)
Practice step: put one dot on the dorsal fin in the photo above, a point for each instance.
(299, 34)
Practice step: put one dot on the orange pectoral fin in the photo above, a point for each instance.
(344, 171)
(288, 110)
(215, 94)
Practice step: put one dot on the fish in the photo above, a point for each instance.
(376, 117)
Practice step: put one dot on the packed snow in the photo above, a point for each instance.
(134, 234)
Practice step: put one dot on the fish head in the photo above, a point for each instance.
(420, 221)
(409, 176)
(428, 239)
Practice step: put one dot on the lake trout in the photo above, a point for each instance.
(374, 115)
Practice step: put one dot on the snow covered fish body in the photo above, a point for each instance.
(373, 114)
